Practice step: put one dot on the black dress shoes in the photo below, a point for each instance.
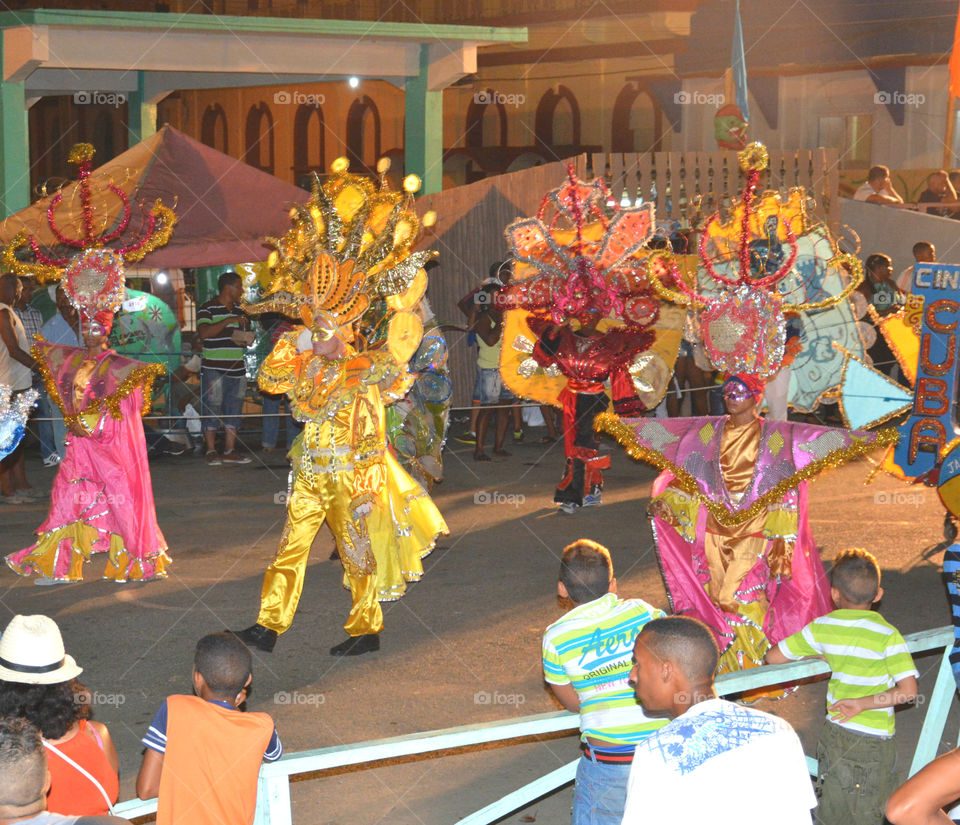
(258, 636)
(356, 645)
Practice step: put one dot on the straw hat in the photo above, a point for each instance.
(31, 653)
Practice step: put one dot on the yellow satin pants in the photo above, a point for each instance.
(328, 499)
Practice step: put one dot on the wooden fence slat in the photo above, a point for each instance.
(616, 181)
(644, 182)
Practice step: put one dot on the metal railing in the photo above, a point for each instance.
(273, 799)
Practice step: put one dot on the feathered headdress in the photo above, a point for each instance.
(93, 273)
(578, 259)
(742, 262)
(350, 244)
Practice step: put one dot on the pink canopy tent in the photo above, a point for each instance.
(224, 207)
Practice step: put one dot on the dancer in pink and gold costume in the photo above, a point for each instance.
(730, 516)
(730, 507)
(102, 498)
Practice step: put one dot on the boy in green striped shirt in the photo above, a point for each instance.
(872, 673)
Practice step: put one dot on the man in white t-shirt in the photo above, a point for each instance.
(878, 188)
(16, 372)
(716, 761)
(924, 252)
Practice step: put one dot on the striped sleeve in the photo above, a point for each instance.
(800, 644)
(156, 736)
(899, 661)
(204, 316)
(274, 748)
(553, 671)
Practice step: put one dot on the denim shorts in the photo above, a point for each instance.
(490, 389)
(600, 792)
(221, 398)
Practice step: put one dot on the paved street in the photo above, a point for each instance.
(461, 647)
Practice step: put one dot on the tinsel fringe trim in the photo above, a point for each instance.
(625, 435)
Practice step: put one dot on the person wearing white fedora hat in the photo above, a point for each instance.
(24, 780)
(38, 682)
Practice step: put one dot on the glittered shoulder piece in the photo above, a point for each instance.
(13, 417)
(114, 378)
(788, 454)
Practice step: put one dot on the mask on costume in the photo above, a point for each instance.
(94, 283)
(739, 388)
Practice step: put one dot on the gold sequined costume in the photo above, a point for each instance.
(382, 520)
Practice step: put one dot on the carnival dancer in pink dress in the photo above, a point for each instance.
(102, 498)
(729, 508)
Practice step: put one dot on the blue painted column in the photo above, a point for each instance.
(423, 128)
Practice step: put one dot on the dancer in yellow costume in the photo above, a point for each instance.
(346, 268)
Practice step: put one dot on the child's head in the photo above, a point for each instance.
(855, 578)
(224, 665)
(586, 572)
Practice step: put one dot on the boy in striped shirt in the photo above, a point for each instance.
(587, 657)
(872, 673)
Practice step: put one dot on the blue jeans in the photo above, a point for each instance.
(272, 405)
(221, 398)
(44, 429)
(600, 793)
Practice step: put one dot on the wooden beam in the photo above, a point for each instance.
(570, 54)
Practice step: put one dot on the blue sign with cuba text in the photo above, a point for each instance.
(932, 421)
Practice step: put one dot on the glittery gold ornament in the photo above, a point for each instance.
(753, 156)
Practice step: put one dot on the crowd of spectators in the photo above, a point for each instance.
(202, 752)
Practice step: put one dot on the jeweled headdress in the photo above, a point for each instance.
(743, 262)
(93, 274)
(579, 246)
(350, 244)
(50, 264)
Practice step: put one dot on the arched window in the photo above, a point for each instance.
(363, 134)
(637, 121)
(213, 128)
(486, 120)
(309, 153)
(259, 135)
(557, 120)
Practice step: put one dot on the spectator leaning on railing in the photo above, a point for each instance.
(878, 188)
(939, 190)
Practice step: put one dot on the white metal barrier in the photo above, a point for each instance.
(273, 800)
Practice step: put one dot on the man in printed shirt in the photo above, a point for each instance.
(586, 661)
(716, 761)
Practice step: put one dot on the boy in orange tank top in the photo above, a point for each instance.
(203, 755)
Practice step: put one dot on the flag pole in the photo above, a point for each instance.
(948, 163)
(953, 91)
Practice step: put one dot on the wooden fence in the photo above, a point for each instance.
(684, 183)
